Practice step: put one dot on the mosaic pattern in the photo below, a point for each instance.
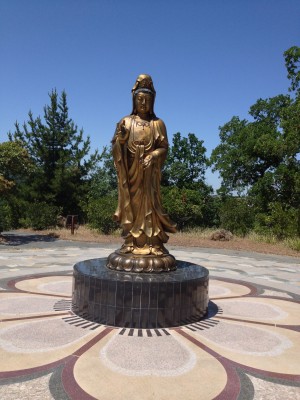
(247, 348)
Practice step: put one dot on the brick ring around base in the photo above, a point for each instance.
(143, 301)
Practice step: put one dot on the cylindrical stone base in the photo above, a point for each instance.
(140, 300)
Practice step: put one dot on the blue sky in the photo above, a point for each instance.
(209, 60)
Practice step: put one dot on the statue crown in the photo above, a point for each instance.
(146, 83)
(143, 84)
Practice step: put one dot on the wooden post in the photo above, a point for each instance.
(72, 225)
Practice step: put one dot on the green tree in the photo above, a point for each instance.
(60, 155)
(103, 194)
(236, 215)
(104, 176)
(100, 213)
(15, 164)
(186, 163)
(280, 221)
(292, 63)
(261, 158)
(186, 196)
(250, 149)
(6, 218)
(185, 206)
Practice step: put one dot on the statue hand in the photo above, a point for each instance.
(148, 160)
(123, 132)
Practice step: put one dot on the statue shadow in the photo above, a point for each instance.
(20, 239)
(213, 309)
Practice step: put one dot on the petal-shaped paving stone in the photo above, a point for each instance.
(147, 356)
(188, 378)
(59, 287)
(24, 305)
(275, 311)
(263, 347)
(36, 336)
(258, 341)
(252, 310)
(219, 288)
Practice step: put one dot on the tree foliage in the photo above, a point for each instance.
(100, 213)
(104, 176)
(103, 194)
(6, 217)
(47, 169)
(250, 149)
(15, 164)
(236, 215)
(292, 63)
(60, 156)
(40, 215)
(186, 163)
(190, 207)
(261, 157)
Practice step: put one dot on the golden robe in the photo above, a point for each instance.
(140, 212)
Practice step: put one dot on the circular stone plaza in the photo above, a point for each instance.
(247, 347)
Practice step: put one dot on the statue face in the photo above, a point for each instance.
(143, 103)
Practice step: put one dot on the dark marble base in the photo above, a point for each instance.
(134, 300)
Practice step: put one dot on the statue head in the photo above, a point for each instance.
(143, 84)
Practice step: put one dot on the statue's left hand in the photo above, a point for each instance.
(148, 160)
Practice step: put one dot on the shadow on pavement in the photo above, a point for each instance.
(19, 239)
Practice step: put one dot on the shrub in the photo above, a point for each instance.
(40, 215)
(100, 213)
(279, 221)
(184, 206)
(236, 215)
(6, 218)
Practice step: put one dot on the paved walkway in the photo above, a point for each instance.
(248, 349)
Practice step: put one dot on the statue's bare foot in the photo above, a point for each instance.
(157, 251)
(126, 249)
(142, 250)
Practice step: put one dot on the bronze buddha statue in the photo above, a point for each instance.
(139, 147)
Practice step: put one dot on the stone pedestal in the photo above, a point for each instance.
(143, 301)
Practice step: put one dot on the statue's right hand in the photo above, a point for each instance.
(122, 133)
(122, 130)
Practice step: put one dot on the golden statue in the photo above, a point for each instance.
(139, 147)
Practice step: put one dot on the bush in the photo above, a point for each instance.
(40, 215)
(100, 213)
(236, 215)
(211, 211)
(279, 221)
(184, 206)
(6, 218)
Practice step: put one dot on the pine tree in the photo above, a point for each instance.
(60, 155)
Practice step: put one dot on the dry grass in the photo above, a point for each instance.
(191, 238)
(83, 234)
(252, 243)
